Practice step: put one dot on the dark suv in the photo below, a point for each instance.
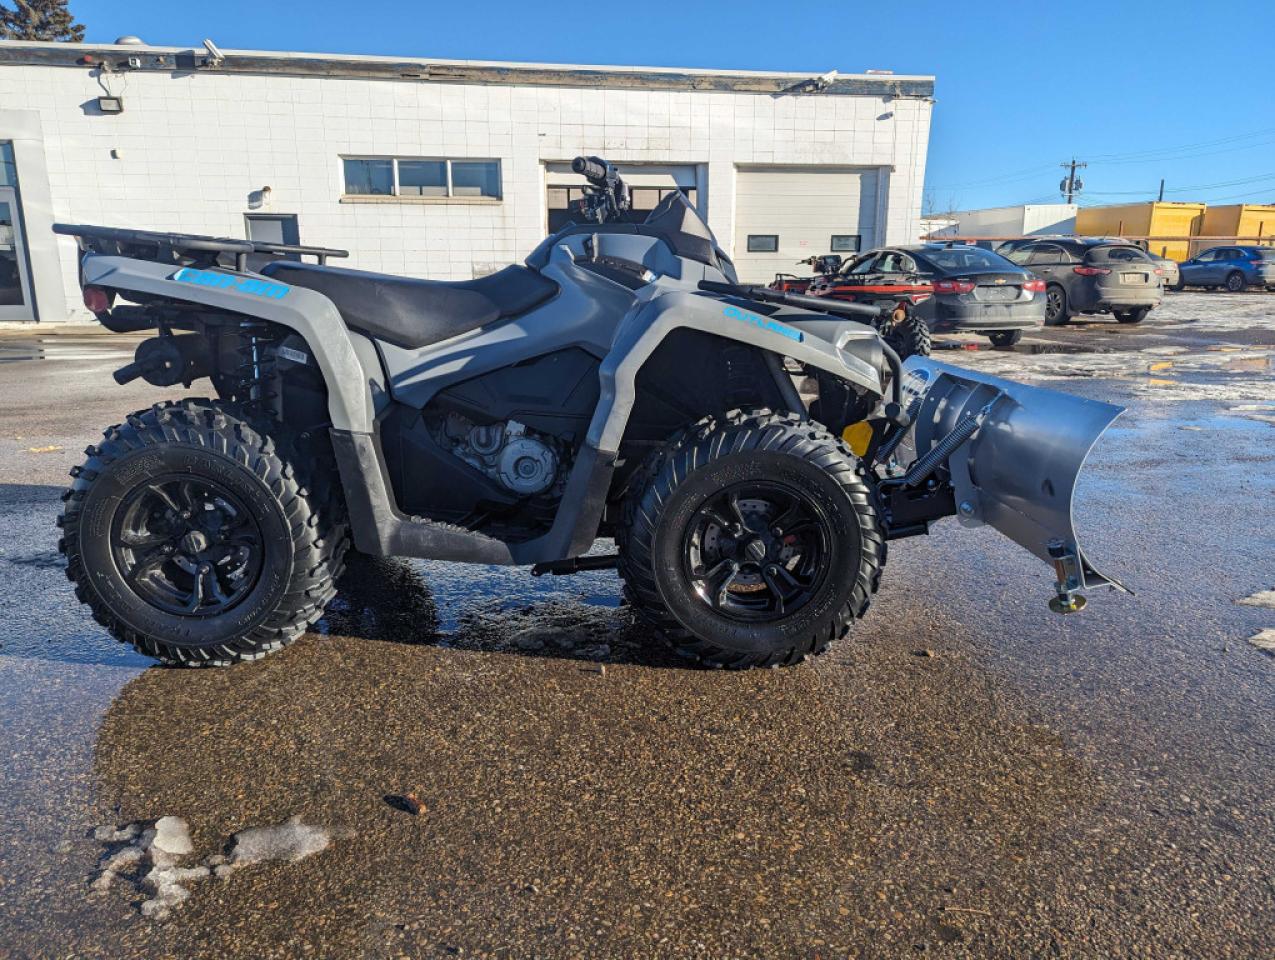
(1093, 275)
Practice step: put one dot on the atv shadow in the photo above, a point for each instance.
(493, 610)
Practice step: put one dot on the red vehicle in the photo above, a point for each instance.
(904, 329)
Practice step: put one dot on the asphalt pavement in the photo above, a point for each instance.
(510, 767)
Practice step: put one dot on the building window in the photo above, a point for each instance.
(845, 243)
(8, 169)
(403, 177)
(763, 243)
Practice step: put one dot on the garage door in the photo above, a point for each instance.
(648, 184)
(783, 215)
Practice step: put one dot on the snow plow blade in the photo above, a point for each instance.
(1014, 453)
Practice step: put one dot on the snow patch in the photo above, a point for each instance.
(1264, 640)
(1263, 598)
(148, 856)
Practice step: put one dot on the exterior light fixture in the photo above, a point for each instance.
(110, 104)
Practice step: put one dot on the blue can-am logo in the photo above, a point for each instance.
(226, 281)
(765, 323)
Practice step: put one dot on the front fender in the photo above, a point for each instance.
(653, 319)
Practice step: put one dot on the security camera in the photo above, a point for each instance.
(215, 56)
(821, 82)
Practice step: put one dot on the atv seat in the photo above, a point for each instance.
(414, 313)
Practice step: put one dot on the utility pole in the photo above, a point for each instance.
(1071, 185)
(1161, 197)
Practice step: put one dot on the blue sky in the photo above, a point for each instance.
(1140, 90)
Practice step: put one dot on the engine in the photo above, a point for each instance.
(519, 459)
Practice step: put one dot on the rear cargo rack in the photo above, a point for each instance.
(182, 248)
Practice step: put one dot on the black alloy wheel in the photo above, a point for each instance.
(1235, 282)
(757, 550)
(187, 546)
(1055, 306)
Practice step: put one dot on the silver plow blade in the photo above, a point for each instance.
(1017, 472)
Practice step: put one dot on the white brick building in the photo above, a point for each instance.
(443, 169)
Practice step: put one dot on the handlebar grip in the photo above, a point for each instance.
(589, 168)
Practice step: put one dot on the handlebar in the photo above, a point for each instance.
(591, 168)
(821, 304)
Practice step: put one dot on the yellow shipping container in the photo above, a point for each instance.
(1156, 218)
(1237, 220)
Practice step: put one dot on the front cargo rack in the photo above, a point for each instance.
(185, 249)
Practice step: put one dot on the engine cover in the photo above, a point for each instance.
(521, 461)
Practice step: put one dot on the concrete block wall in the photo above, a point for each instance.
(190, 148)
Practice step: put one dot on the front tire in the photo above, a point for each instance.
(199, 540)
(1005, 338)
(754, 542)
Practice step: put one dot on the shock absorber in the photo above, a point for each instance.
(254, 374)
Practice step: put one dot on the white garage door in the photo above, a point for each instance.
(785, 214)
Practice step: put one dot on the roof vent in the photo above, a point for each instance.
(128, 40)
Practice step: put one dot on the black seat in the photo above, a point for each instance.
(415, 313)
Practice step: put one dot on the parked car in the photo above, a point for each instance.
(1093, 275)
(1171, 271)
(952, 287)
(1235, 268)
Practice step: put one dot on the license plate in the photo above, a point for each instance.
(1133, 277)
(997, 293)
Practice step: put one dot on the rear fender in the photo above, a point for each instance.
(312, 315)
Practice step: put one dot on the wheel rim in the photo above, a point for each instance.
(187, 546)
(1053, 304)
(1234, 282)
(757, 551)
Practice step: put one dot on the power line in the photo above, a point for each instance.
(1132, 156)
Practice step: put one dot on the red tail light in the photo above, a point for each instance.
(1090, 271)
(97, 300)
(953, 286)
(1034, 286)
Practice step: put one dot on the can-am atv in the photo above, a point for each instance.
(621, 384)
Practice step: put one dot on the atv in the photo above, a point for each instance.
(621, 384)
(897, 319)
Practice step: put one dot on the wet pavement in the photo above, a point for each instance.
(967, 775)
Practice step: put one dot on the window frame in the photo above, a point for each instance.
(856, 237)
(749, 238)
(396, 196)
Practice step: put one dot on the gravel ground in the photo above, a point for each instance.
(510, 767)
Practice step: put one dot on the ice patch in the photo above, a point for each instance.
(148, 857)
(291, 840)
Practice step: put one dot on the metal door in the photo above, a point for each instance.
(15, 286)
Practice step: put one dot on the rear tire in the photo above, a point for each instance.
(1005, 338)
(199, 540)
(1136, 315)
(1235, 282)
(678, 544)
(1056, 313)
